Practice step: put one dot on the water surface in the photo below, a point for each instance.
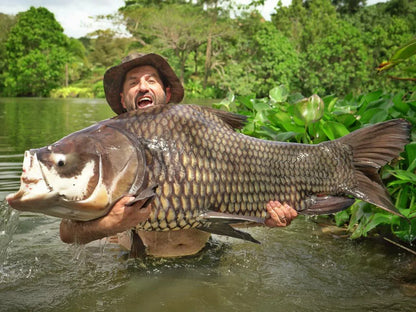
(298, 268)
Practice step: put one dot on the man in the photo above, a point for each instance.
(138, 82)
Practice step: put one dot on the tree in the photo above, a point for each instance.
(349, 6)
(258, 58)
(180, 28)
(36, 54)
(337, 63)
(105, 48)
(383, 31)
(6, 23)
(305, 22)
(290, 21)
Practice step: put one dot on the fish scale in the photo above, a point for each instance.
(212, 167)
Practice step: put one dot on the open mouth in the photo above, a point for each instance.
(144, 101)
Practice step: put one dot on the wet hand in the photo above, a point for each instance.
(120, 218)
(280, 214)
(124, 216)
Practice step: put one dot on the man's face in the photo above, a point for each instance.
(143, 88)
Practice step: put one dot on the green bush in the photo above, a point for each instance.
(72, 92)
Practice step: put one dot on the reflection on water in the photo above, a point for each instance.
(294, 269)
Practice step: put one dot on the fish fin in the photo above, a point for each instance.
(138, 249)
(372, 148)
(235, 121)
(146, 196)
(219, 223)
(327, 205)
(230, 218)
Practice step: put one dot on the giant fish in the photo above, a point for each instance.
(196, 171)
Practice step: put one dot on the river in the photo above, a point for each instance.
(299, 268)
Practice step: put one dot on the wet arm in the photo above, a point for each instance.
(119, 219)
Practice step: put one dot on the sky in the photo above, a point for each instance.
(75, 15)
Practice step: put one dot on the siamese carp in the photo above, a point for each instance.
(196, 171)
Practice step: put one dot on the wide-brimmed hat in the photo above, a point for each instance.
(114, 78)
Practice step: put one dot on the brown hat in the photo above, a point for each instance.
(114, 78)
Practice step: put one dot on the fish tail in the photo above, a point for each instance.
(372, 148)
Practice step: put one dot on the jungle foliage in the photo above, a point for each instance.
(313, 46)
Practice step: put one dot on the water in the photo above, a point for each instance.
(299, 268)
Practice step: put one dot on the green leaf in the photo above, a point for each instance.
(330, 102)
(226, 103)
(334, 129)
(246, 101)
(285, 136)
(400, 105)
(402, 198)
(371, 97)
(309, 110)
(404, 229)
(284, 120)
(342, 217)
(411, 155)
(377, 219)
(406, 176)
(373, 116)
(260, 105)
(279, 94)
(404, 52)
(400, 55)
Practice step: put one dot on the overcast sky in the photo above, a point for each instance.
(74, 15)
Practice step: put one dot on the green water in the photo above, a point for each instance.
(299, 268)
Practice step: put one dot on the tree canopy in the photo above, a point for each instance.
(36, 54)
(323, 46)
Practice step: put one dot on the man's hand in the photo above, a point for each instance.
(120, 218)
(280, 214)
(123, 217)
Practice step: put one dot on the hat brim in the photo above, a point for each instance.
(114, 78)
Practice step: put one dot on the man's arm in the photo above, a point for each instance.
(122, 218)
(119, 219)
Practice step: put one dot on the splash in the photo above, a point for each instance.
(9, 219)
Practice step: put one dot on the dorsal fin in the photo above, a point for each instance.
(235, 121)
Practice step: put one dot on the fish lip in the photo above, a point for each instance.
(144, 97)
(32, 184)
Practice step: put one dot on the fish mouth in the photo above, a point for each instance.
(33, 187)
(143, 101)
(36, 195)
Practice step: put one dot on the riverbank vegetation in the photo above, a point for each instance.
(268, 70)
(314, 46)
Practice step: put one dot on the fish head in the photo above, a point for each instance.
(80, 176)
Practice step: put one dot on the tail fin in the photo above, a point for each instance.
(373, 147)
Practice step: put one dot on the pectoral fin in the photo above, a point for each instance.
(145, 197)
(219, 223)
(327, 205)
(138, 249)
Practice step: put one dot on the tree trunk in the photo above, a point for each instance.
(66, 75)
(208, 59)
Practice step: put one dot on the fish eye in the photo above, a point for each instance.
(60, 160)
